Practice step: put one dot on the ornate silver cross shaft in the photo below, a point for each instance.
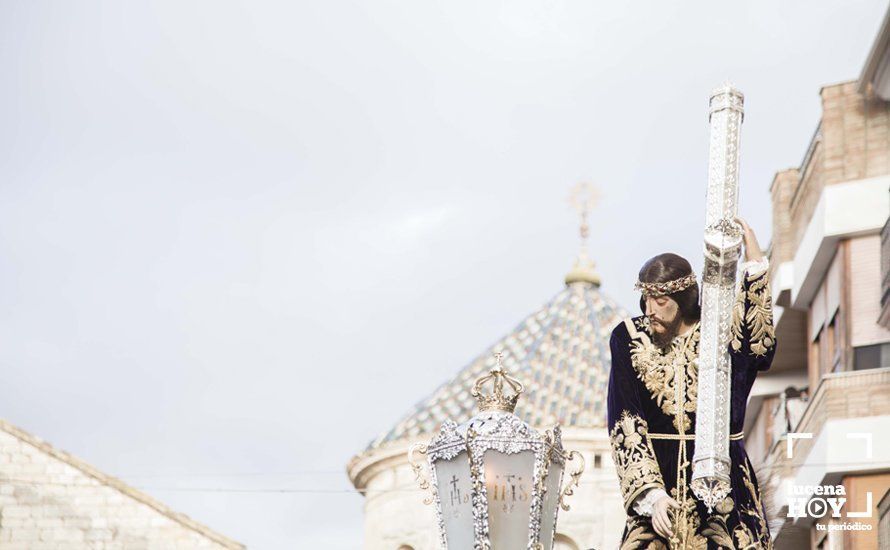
(710, 463)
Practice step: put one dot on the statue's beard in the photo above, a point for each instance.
(670, 330)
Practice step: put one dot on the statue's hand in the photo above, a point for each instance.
(753, 252)
(661, 518)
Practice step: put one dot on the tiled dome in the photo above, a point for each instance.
(561, 355)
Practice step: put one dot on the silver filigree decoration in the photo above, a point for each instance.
(722, 246)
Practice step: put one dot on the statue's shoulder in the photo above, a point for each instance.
(637, 327)
(631, 328)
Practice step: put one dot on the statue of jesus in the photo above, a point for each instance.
(652, 405)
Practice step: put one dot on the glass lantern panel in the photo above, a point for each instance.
(455, 496)
(509, 482)
(550, 505)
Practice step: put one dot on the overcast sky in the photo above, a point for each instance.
(238, 240)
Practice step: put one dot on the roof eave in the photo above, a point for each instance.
(878, 56)
(116, 484)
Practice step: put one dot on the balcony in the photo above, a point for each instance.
(840, 433)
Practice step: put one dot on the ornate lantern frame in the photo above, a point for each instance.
(496, 428)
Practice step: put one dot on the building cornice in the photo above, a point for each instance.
(876, 70)
(838, 215)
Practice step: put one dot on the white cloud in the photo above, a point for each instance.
(212, 220)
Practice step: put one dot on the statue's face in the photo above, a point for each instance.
(664, 316)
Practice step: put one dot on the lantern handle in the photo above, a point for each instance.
(419, 476)
(575, 474)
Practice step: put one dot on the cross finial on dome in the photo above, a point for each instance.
(583, 197)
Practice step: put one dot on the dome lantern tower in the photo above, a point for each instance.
(582, 198)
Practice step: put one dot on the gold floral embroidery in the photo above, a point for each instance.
(738, 314)
(756, 314)
(759, 316)
(717, 529)
(756, 512)
(657, 371)
(640, 535)
(685, 523)
(634, 457)
(742, 538)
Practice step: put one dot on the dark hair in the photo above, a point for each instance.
(667, 267)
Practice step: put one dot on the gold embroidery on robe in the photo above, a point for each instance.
(766, 541)
(634, 457)
(717, 529)
(641, 535)
(656, 370)
(742, 538)
(685, 523)
(757, 317)
(738, 314)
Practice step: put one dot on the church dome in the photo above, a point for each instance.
(561, 355)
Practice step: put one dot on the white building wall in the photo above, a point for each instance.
(49, 503)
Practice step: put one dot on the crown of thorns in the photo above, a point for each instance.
(668, 287)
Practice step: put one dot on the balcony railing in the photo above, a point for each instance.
(885, 274)
(851, 394)
(805, 168)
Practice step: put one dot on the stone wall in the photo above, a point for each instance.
(51, 500)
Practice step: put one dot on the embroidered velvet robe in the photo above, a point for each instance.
(652, 401)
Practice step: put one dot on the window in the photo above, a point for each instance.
(884, 522)
(816, 355)
(871, 357)
(832, 346)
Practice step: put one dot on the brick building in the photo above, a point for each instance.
(50, 500)
(829, 387)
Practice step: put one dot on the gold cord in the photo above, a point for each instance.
(690, 437)
(680, 517)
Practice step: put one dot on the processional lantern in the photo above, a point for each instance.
(494, 479)
(722, 247)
